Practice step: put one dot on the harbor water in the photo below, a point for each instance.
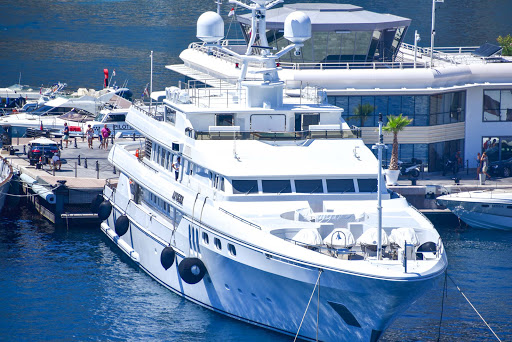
(73, 284)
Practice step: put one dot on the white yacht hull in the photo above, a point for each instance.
(262, 288)
(5, 180)
(480, 214)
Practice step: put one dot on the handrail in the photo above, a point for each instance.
(353, 133)
(240, 219)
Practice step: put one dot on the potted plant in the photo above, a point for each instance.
(394, 125)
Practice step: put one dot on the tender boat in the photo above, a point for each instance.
(265, 207)
(481, 208)
(5, 180)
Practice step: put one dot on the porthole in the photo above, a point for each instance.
(206, 239)
(217, 243)
(231, 249)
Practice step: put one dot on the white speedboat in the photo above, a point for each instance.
(5, 180)
(481, 208)
(264, 207)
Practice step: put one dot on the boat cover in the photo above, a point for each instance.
(340, 238)
(370, 237)
(309, 237)
(400, 235)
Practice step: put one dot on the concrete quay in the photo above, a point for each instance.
(63, 196)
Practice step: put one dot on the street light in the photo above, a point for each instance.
(433, 32)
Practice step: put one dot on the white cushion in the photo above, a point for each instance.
(340, 238)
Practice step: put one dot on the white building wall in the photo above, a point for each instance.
(476, 128)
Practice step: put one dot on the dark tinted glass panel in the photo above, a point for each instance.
(245, 186)
(367, 185)
(276, 186)
(309, 186)
(340, 185)
(224, 120)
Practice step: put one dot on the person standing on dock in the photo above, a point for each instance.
(485, 164)
(66, 133)
(105, 132)
(478, 165)
(90, 136)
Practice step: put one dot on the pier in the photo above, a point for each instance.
(62, 196)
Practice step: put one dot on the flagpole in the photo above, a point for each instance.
(151, 83)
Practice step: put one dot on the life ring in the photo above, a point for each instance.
(104, 210)
(122, 224)
(167, 257)
(191, 270)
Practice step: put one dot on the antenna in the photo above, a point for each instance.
(379, 147)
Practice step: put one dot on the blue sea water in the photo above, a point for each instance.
(64, 284)
(73, 284)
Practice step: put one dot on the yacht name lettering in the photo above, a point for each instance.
(177, 197)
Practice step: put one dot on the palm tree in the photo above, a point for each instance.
(395, 124)
(363, 111)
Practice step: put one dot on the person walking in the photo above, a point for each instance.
(66, 133)
(478, 165)
(485, 164)
(90, 136)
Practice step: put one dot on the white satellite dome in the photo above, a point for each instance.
(210, 27)
(297, 27)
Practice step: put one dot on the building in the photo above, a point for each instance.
(460, 99)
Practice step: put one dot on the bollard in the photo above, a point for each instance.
(114, 171)
(85, 162)
(25, 149)
(79, 160)
(75, 170)
(112, 139)
(97, 170)
(61, 144)
(76, 145)
(18, 140)
(133, 136)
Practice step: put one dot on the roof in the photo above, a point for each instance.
(330, 17)
(42, 141)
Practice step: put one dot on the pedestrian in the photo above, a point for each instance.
(90, 136)
(66, 133)
(100, 136)
(478, 165)
(485, 164)
(105, 133)
(176, 168)
(56, 162)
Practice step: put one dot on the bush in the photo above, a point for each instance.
(506, 44)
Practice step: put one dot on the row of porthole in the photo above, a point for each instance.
(242, 292)
(218, 244)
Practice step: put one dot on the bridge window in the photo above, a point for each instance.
(245, 186)
(367, 185)
(309, 186)
(340, 185)
(276, 186)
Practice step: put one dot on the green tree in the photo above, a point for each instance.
(363, 111)
(506, 44)
(395, 124)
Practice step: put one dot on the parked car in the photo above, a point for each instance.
(501, 168)
(42, 147)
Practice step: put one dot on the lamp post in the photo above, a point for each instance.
(433, 32)
(416, 40)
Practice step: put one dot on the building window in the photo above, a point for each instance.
(497, 105)
(497, 148)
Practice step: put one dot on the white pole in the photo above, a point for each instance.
(219, 2)
(433, 32)
(415, 46)
(379, 146)
(151, 83)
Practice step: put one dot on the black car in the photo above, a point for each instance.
(42, 147)
(501, 168)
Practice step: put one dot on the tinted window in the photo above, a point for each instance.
(309, 186)
(340, 185)
(367, 185)
(245, 186)
(276, 186)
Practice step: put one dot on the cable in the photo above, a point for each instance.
(307, 307)
(488, 326)
(442, 305)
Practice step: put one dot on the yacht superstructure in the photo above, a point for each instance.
(262, 205)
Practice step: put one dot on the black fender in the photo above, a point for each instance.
(104, 210)
(192, 270)
(167, 257)
(122, 224)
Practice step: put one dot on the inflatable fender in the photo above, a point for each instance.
(104, 210)
(95, 204)
(167, 257)
(192, 270)
(122, 224)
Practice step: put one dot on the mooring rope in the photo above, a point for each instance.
(307, 307)
(462, 293)
(445, 294)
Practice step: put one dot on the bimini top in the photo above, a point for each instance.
(329, 17)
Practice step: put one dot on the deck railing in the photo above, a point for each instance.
(277, 136)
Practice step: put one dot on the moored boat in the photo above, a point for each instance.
(5, 180)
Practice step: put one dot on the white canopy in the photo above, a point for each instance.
(370, 237)
(309, 237)
(340, 238)
(400, 235)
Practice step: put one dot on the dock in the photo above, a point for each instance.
(63, 196)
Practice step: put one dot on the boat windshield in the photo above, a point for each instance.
(99, 117)
(42, 110)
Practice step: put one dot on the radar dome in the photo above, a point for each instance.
(297, 27)
(210, 27)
